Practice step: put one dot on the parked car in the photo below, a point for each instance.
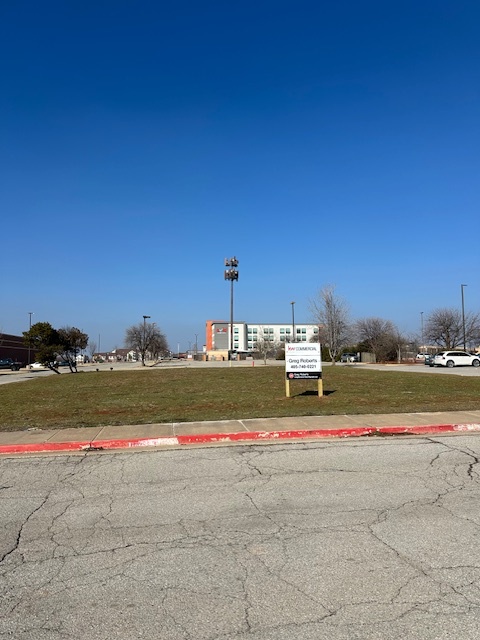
(349, 357)
(455, 359)
(37, 365)
(429, 359)
(8, 363)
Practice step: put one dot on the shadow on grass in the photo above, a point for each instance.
(313, 392)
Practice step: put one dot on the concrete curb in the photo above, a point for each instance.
(225, 438)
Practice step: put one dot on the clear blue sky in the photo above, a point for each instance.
(141, 143)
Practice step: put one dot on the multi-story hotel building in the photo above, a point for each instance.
(245, 335)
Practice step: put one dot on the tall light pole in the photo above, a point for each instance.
(196, 343)
(232, 275)
(463, 318)
(421, 323)
(293, 320)
(30, 313)
(144, 347)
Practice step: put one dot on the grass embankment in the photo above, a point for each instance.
(185, 395)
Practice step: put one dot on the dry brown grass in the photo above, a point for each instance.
(185, 395)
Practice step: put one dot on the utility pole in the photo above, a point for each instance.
(30, 313)
(421, 324)
(144, 346)
(463, 318)
(293, 321)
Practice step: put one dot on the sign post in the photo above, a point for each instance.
(303, 361)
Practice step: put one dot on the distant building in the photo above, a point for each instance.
(14, 347)
(117, 355)
(246, 335)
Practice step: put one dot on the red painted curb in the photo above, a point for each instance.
(95, 445)
(243, 436)
(323, 433)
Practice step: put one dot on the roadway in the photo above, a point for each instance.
(351, 540)
(25, 375)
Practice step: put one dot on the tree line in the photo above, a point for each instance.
(445, 328)
(338, 333)
(54, 346)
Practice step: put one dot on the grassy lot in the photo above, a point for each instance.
(184, 395)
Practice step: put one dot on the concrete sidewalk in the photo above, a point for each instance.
(231, 431)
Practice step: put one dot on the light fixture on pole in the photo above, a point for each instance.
(30, 313)
(422, 350)
(293, 320)
(463, 318)
(144, 346)
(232, 275)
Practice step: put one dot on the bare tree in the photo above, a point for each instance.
(92, 348)
(331, 314)
(266, 345)
(378, 335)
(158, 344)
(401, 343)
(444, 327)
(147, 339)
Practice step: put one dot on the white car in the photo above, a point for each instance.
(455, 359)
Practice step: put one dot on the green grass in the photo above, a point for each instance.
(185, 395)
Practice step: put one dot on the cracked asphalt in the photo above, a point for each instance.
(318, 540)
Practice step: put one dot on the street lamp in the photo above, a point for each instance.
(232, 275)
(463, 318)
(293, 321)
(421, 323)
(196, 343)
(144, 348)
(30, 313)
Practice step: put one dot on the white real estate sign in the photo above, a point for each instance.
(303, 361)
